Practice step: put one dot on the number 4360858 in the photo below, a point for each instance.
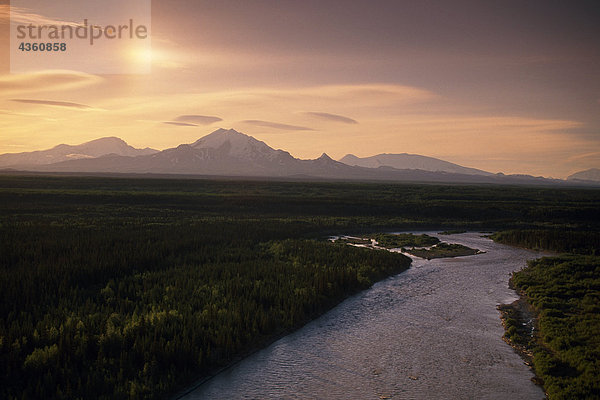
(25, 46)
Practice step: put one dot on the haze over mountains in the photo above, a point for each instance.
(410, 161)
(231, 153)
(590, 175)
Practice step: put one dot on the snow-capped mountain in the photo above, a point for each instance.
(238, 145)
(65, 152)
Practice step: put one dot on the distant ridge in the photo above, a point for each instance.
(591, 175)
(410, 161)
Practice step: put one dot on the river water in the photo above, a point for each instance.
(432, 332)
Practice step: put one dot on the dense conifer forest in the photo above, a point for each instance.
(133, 288)
(565, 294)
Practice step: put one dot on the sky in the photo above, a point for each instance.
(503, 86)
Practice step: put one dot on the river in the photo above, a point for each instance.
(432, 332)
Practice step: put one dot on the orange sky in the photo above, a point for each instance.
(322, 77)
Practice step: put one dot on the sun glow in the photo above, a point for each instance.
(141, 55)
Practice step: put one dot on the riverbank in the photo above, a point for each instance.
(560, 294)
(519, 321)
(180, 394)
(269, 340)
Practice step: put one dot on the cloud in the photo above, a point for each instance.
(178, 123)
(22, 15)
(276, 125)
(23, 114)
(198, 119)
(193, 120)
(372, 93)
(332, 117)
(9, 112)
(4, 13)
(53, 103)
(585, 156)
(45, 80)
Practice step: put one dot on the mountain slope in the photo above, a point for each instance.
(592, 174)
(410, 161)
(65, 152)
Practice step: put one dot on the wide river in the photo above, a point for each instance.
(432, 332)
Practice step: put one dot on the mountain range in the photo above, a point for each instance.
(231, 153)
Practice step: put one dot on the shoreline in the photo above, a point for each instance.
(180, 394)
(519, 320)
(201, 381)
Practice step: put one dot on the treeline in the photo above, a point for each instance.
(556, 240)
(136, 311)
(565, 294)
(360, 207)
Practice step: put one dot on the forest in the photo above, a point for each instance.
(564, 291)
(130, 287)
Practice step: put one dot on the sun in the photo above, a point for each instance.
(140, 58)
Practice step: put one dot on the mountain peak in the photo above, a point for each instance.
(325, 157)
(223, 131)
(217, 138)
(237, 144)
(109, 145)
(107, 139)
